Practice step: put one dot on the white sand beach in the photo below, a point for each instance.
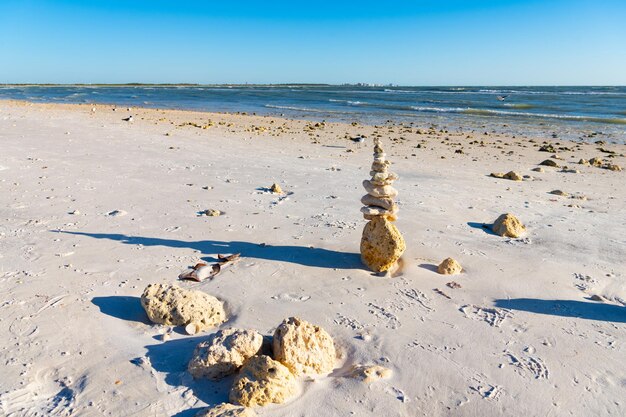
(94, 208)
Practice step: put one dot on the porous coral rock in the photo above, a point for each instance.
(262, 381)
(172, 305)
(224, 352)
(508, 225)
(449, 266)
(382, 245)
(303, 347)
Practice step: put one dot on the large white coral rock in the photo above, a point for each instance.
(224, 352)
(262, 381)
(303, 347)
(170, 304)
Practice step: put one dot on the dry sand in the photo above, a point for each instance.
(520, 337)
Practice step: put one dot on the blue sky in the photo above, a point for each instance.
(401, 42)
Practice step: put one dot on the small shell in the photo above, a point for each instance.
(207, 271)
(192, 328)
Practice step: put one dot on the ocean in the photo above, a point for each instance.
(575, 113)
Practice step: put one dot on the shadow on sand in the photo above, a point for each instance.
(567, 308)
(122, 307)
(482, 226)
(430, 267)
(171, 358)
(316, 257)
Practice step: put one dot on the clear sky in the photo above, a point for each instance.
(445, 42)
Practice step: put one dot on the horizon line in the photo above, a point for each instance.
(298, 84)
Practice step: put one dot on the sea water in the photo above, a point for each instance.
(587, 113)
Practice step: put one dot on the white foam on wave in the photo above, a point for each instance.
(303, 109)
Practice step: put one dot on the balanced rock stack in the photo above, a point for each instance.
(382, 245)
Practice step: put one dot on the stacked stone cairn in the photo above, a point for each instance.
(382, 245)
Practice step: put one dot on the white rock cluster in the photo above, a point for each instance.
(299, 347)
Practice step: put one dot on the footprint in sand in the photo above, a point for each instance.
(492, 316)
(384, 316)
(291, 297)
(46, 395)
(529, 364)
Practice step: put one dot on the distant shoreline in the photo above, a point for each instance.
(574, 113)
(304, 85)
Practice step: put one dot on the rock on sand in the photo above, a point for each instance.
(449, 266)
(262, 381)
(170, 304)
(303, 347)
(508, 225)
(224, 352)
(382, 245)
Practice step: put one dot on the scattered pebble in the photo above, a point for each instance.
(449, 266)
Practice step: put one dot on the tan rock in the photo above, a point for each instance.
(262, 381)
(508, 225)
(497, 174)
(382, 245)
(172, 305)
(512, 175)
(275, 188)
(369, 373)
(386, 203)
(224, 352)
(379, 211)
(449, 266)
(303, 347)
(227, 410)
(383, 178)
(390, 217)
(612, 167)
(379, 191)
(380, 166)
(538, 169)
(559, 192)
(549, 163)
(596, 162)
(584, 162)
